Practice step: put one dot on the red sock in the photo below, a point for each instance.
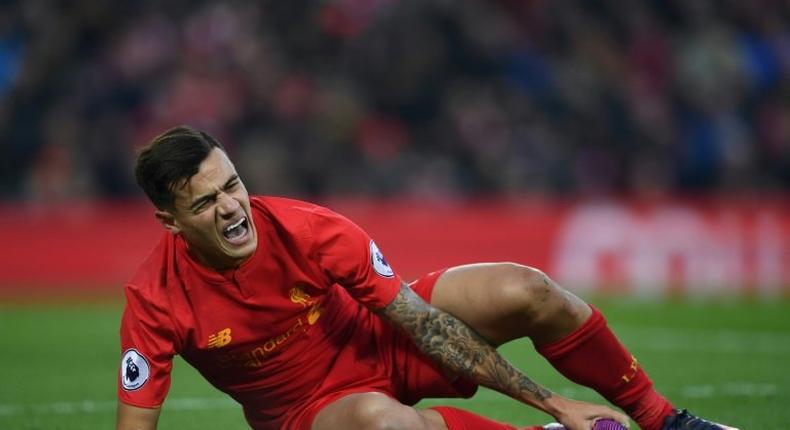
(592, 356)
(458, 419)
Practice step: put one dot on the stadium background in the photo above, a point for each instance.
(637, 151)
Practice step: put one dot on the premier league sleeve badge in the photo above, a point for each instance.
(134, 370)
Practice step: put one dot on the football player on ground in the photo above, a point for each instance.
(293, 311)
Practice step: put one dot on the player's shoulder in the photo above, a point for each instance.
(151, 277)
(152, 293)
(284, 206)
(292, 214)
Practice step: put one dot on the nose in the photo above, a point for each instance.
(227, 205)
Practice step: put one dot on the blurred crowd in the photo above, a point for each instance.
(424, 98)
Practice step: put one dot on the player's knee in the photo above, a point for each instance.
(375, 414)
(526, 290)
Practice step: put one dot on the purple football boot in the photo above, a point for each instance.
(602, 424)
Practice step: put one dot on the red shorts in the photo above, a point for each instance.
(415, 376)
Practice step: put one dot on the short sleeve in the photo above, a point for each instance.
(350, 258)
(147, 350)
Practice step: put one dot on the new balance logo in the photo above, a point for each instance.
(220, 339)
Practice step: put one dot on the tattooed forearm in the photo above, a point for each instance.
(457, 347)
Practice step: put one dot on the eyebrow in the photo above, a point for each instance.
(204, 198)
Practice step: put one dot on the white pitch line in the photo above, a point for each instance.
(709, 341)
(730, 390)
(100, 406)
(85, 407)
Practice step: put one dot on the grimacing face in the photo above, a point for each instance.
(212, 214)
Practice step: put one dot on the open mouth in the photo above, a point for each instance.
(237, 232)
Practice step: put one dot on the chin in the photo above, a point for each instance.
(248, 251)
(244, 252)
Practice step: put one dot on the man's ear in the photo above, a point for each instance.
(168, 221)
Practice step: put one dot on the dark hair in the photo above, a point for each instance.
(170, 160)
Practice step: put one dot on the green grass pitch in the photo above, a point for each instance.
(727, 360)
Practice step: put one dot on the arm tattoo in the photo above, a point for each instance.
(457, 347)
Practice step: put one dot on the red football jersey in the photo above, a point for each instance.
(270, 333)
